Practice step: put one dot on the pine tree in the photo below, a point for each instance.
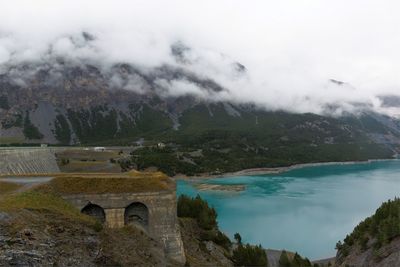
(284, 260)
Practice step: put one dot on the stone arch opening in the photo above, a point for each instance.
(95, 211)
(137, 214)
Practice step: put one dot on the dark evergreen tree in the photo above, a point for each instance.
(238, 238)
(247, 255)
(284, 260)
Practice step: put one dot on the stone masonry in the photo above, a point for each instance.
(27, 160)
(162, 223)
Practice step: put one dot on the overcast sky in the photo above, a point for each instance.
(290, 48)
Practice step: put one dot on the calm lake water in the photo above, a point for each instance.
(306, 210)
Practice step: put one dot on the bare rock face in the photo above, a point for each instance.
(374, 241)
(386, 256)
(201, 253)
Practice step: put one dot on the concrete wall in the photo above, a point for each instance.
(27, 160)
(162, 221)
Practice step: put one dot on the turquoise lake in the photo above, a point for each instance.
(305, 210)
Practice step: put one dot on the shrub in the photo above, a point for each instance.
(198, 209)
(296, 261)
(64, 161)
(247, 255)
(217, 237)
(382, 227)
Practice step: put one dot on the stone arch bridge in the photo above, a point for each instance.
(153, 212)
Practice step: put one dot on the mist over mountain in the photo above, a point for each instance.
(287, 62)
(117, 76)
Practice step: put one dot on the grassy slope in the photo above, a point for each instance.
(6, 187)
(97, 183)
(44, 230)
(42, 202)
(88, 161)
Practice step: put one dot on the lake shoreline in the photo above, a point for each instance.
(306, 202)
(276, 170)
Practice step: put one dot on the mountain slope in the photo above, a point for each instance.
(68, 103)
(375, 241)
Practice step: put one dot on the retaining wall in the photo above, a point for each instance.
(27, 160)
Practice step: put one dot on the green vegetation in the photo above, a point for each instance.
(95, 124)
(243, 254)
(238, 238)
(284, 260)
(64, 161)
(212, 140)
(294, 260)
(43, 202)
(16, 121)
(6, 187)
(379, 229)
(198, 209)
(62, 130)
(8, 141)
(165, 159)
(30, 130)
(105, 125)
(220, 142)
(206, 218)
(148, 122)
(223, 155)
(248, 255)
(107, 183)
(80, 160)
(217, 237)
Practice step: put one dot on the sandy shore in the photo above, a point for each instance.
(218, 187)
(261, 171)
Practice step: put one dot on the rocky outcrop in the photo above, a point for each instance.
(375, 241)
(200, 252)
(43, 238)
(386, 256)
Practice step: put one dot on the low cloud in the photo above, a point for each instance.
(299, 56)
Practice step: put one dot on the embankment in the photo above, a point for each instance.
(27, 160)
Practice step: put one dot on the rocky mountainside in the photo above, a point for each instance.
(375, 241)
(73, 103)
(45, 237)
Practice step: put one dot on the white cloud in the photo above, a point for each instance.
(290, 48)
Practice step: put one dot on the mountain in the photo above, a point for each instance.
(375, 241)
(72, 103)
